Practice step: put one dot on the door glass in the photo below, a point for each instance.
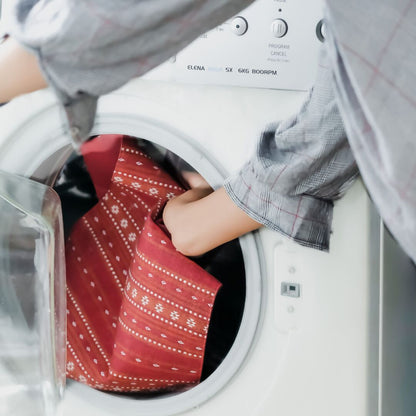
(32, 298)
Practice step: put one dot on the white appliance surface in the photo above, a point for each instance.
(270, 44)
(322, 333)
(319, 353)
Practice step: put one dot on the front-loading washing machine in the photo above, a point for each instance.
(320, 334)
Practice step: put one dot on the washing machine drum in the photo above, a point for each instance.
(77, 194)
(36, 152)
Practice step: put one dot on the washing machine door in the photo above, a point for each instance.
(32, 298)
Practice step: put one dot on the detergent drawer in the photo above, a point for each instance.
(32, 298)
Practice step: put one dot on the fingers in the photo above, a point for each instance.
(200, 220)
(195, 180)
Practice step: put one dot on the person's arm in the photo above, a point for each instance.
(19, 71)
(200, 220)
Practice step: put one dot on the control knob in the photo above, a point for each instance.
(239, 25)
(279, 28)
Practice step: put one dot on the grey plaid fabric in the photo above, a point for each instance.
(373, 56)
(89, 47)
(300, 167)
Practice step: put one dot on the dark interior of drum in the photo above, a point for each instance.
(226, 263)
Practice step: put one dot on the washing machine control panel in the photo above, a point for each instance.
(271, 44)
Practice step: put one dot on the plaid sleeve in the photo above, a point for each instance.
(374, 65)
(87, 48)
(300, 167)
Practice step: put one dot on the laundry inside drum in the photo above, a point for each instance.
(225, 263)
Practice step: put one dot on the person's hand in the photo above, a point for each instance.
(195, 180)
(201, 219)
(19, 71)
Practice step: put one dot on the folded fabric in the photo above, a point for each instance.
(138, 310)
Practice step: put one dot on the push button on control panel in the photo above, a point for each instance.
(321, 30)
(239, 25)
(279, 28)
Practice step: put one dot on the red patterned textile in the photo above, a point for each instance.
(138, 310)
